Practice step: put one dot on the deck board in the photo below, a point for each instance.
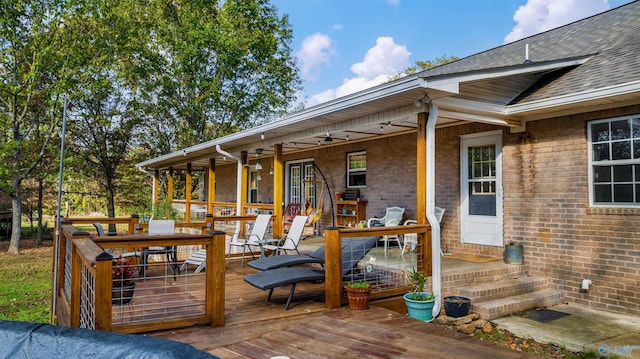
(257, 329)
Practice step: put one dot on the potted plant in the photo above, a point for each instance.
(419, 303)
(358, 294)
(122, 284)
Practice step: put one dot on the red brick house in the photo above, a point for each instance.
(536, 141)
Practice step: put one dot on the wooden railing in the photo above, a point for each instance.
(84, 295)
(333, 258)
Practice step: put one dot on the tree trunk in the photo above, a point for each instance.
(16, 206)
(40, 194)
(111, 207)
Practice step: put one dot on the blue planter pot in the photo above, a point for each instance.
(421, 310)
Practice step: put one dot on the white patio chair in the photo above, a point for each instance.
(159, 227)
(411, 239)
(392, 217)
(293, 237)
(255, 238)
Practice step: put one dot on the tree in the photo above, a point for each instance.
(29, 70)
(216, 70)
(424, 65)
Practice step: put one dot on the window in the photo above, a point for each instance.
(357, 169)
(614, 159)
(482, 180)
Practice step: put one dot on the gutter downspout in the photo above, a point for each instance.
(436, 279)
(238, 186)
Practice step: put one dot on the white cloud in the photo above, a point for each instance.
(540, 15)
(394, 2)
(316, 50)
(337, 27)
(383, 60)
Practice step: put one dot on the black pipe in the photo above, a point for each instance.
(324, 179)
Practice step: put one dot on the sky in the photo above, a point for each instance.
(344, 46)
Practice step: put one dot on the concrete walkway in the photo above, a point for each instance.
(584, 330)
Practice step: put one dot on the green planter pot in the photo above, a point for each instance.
(421, 310)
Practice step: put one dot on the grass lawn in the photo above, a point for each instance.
(25, 288)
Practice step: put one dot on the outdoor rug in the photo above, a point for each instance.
(542, 315)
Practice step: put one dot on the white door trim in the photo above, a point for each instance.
(481, 229)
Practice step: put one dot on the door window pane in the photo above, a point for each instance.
(482, 180)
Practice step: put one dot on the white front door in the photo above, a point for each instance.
(481, 188)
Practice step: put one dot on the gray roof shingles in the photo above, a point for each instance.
(612, 37)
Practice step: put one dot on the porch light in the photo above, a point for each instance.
(258, 162)
(347, 138)
(328, 138)
(262, 136)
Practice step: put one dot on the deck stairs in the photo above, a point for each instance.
(499, 290)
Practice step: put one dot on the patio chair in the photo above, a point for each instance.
(353, 250)
(255, 238)
(411, 239)
(293, 237)
(392, 217)
(160, 227)
(102, 233)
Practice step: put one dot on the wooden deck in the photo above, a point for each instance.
(257, 329)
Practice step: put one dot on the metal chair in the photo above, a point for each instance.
(255, 238)
(392, 217)
(411, 239)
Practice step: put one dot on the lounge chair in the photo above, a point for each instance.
(293, 237)
(353, 250)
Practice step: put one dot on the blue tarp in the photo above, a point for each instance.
(37, 340)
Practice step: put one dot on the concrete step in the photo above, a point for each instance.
(493, 290)
(492, 272)
(500, 307)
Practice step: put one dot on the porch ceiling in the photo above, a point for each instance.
(391, 109)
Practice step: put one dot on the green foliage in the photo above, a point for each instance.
(25, 289)
(164, 210)
(359, 285)
(424, 65)
(417, 282)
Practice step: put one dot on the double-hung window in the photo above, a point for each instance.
(357, 169)
(614, 161)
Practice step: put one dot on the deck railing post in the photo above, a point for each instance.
(333, 267)
(215, 278)
(76, 281)
(103, 291)
(135, 219)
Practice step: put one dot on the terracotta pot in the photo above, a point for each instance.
(358, 297)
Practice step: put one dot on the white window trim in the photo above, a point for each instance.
(348, 171)
(590, 165)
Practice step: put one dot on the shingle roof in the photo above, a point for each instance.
(613, 37)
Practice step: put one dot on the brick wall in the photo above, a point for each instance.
(546, 208)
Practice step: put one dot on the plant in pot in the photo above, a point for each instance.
(122, 284)
(358, 294)
(419, 303)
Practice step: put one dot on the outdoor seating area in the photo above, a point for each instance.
(155, 290)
